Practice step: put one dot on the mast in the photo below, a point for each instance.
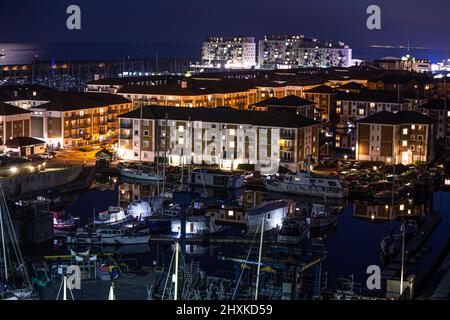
(140, 135)
(260, 255)
(175, 276)
(165, 160)
(3, 244)
(403, 258)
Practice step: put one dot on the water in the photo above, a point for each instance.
(22, 53)
(351, 248)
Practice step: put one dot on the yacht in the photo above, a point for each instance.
(322, 216)
(139, 172)
(106, 237)
(305, 183)
(293, 231)
(114, 216)
(217, 179)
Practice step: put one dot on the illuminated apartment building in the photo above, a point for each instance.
(284, 52)
(192, 94)
(14, 123)
(233, 52)
(74, 119)
(219, 136)
(403, 137)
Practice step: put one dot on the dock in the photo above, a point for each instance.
(211, 240)
(412, 247)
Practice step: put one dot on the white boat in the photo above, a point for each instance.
(274, 213)
(106, 237)
(293, 231)
(322, 216)
(305, 183)
(196, 225)
(2, 53)
(114, 216)
(142, 209)
(139, 173)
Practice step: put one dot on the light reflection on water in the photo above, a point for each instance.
(351, 247)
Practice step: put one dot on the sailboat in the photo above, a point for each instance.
(111, 295)
(14, 278)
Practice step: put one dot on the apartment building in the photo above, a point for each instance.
(438, 111)
(323, 96)
(292, 51)
(229, 53)
(75, 119)
(14, 123)
(220, 136)
(289, 103)
(206, 93)
(403, 137)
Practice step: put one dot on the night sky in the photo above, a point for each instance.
(423, 23)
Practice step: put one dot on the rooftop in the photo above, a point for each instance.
(401, 117)
(323, 89)
(8, 110)
(288, 101)
(23, 142)
(372, 96)
(67, 101)
(223, 115)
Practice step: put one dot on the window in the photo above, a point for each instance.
(180, 140)
(361, 112)
(420, 137)
(412, 147)
(146, 133)
(413, 127)
(405, 131)
(136, 132)
(404, 143)
(338, 110)
(180, 129)
(413, 137)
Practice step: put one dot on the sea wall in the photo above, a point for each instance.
(26, 183)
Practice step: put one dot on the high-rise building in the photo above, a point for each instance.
(284, 52)
(233, 52)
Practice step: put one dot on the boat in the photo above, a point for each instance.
(293, 231)
(217, 179)
(142, 209)
(391, 244)
(322, 216)
(274, 212)
(139, 172)
(2, 53)
(61, 225)
(15, 281)
(106, 237)
(114, 216)
(306, 183)
(196, 225)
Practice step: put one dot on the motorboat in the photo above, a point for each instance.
(293, 231)
(139, 172)
(106, 237)
(322, 216)
(114, 216)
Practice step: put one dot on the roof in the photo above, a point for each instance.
(23, 142)
(269, 207)
(401, 117)
(104, 152)
(372, 96)
(436, 104)
(223, 115)
(288, 101)
(67, 101)
(26, 92)
(7, 109)
(323, 89)
(352, 86)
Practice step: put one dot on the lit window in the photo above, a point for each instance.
(181, 129)
(402, 207)
(232, 132)
(231, 144)
(404, 143)
(230, 213)
(405, 131)
(361, 112)
(413, 127)
(180, 140)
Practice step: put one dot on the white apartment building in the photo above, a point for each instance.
(229, 53)
(284, 52)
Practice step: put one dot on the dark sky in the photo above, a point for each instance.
(422, 22)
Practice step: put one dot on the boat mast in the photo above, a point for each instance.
(175, 276)
(260, 255)
(165, 160)
(140, 135)
(3, 243)
(403, 259)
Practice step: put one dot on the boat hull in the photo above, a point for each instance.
(282, 187)
(120, 240)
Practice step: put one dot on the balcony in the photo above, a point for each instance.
(126, 125)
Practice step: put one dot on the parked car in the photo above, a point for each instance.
(48, 155)
(248, 175)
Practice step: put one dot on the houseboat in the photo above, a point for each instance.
(114, 216)
(274, 212)
(217, 179)
(195, 225)
(139, 172)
